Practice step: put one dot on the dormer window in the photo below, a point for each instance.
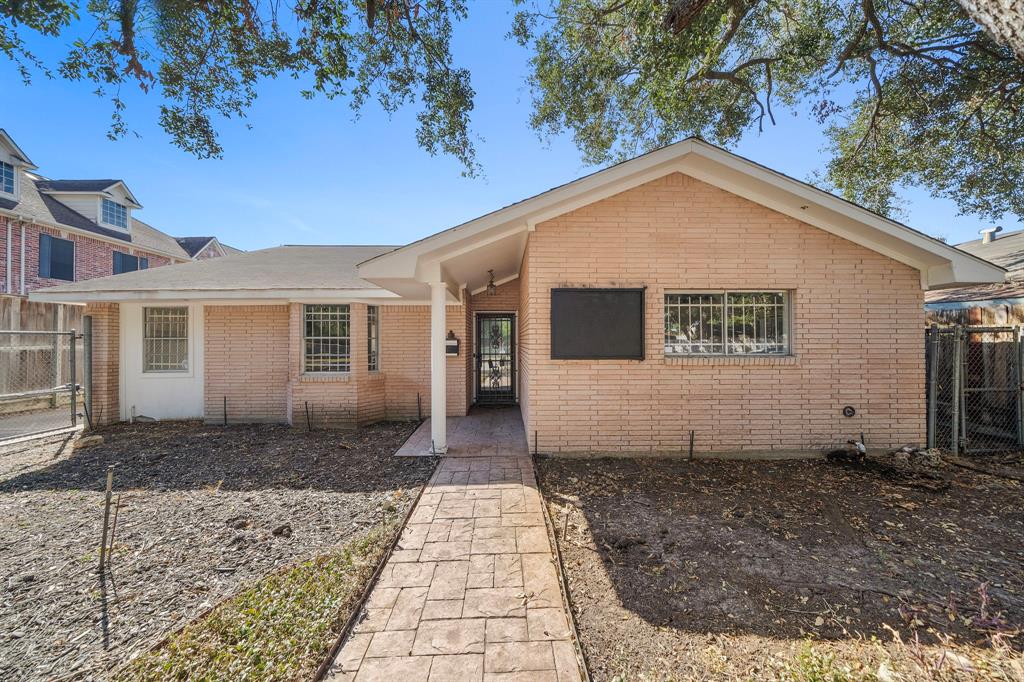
(115, 214)
(6, 178)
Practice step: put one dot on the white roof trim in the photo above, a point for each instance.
(26, 162)
(379, 296)
(940, 264)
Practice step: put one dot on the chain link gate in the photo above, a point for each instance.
(39, 381)
(974, 389)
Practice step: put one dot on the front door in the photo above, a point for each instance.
(495, 359)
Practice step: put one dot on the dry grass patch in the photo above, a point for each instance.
(281, 628)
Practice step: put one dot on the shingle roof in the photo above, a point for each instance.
(193, 245)
(44, 208)
(146, 236)
(315, 268)
(75, 185)
(1006, 250)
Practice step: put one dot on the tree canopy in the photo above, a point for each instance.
(910, 92)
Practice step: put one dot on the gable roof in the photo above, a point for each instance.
(85, 187)
(9, 142)
(193, 245)
(43, 208)
(283, 272)
(440, 256)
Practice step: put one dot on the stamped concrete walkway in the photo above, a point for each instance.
(471, 591)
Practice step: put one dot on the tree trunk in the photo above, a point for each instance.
(1003, 20)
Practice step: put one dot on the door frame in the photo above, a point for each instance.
(514, 316)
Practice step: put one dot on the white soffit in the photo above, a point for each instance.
(461, 255)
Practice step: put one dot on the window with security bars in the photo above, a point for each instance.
(326, 335)
(727, 323)
(373, 338)
(165, 340)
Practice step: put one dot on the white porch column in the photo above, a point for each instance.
(438, 362)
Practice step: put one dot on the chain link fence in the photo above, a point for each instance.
(974, 389)
(40, 387)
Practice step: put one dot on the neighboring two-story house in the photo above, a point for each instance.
(58, 231)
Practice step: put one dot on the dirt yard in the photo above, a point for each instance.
(204, 510)
(796, 570)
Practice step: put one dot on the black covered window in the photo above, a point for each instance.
(56, 258)
(124, 262)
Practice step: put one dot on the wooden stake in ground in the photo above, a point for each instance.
(106, 517)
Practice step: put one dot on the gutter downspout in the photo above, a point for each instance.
(10, 258)
(22, 273)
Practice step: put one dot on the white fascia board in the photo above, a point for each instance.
(308, 295)
(26, 162)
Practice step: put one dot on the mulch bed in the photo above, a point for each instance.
(203, 510)
(727, 569)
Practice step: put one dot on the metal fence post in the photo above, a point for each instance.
(74, 384)
(87, 366)
(957, 391)
(1018, 356)
(933, 373)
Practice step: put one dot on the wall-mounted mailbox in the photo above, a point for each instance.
(451, 344)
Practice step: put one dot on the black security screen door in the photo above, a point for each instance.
(495, 359)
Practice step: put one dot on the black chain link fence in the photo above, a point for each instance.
(974, 389)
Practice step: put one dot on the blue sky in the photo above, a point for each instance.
(309, 172)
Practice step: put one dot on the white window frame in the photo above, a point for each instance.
(373, 339)
(343, 363)
(146, 339)
(787, 322)
(103, 220)
(14, 180)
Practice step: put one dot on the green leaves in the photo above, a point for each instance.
(913, 93)
(206, 59)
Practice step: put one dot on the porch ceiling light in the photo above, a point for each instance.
(492, 288)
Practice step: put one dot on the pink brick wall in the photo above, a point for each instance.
(857, 317)
(106, 362)
(93, 257)
(405, 360)
(246, 360)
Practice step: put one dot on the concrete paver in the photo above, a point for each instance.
(471, 591)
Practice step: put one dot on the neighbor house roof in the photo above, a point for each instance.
(38, 207)
(498, 238)
(146, 236)
(1006, 251)
(283, 272)
(13, 146)
(85, 187)
(193, 245)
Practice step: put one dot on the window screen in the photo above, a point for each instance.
(597, 324)
(56, 258)
(165, 340)
(326, 335)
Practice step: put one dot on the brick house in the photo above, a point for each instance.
(685, 290)
(58, 231)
